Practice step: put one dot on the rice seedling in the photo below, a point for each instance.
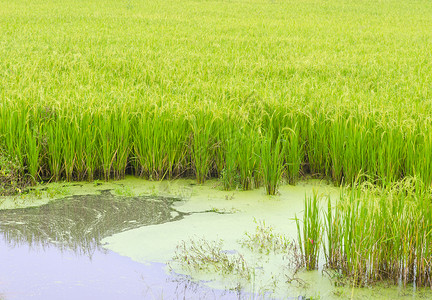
(264, 240)
(198, 255)
(310, 234)
(69, 137)
(106, 140)
(317, 143)
(79, 142)
(177, 146)
(14, 137)
(331, 228)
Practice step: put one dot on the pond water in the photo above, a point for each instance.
(53, 251)
(114, 240)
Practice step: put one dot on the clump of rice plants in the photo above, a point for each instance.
(198, 255)
(209, 257)
(248, 157)
(264, 240)
(294, 153)
(332, 233)
(203, 143)
(12, 180)
(229, 178)
(372, 234)
(229, 174)
(310, 234)
(385, 235)
(159, 151)
(272, 162)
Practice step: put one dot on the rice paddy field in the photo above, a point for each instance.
(245, 90)
(252, 92)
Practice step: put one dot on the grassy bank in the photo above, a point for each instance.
(250, 92)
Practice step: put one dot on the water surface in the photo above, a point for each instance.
(54, 252)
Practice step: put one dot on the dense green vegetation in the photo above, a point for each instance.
(383, 235)
(372, 234)
(247, 91)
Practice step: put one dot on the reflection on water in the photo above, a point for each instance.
(54, 252)
(78, 223)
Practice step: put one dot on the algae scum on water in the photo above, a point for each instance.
(80, 222)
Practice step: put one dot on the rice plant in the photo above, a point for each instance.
(310, 234)
(229, 175)
(273, 147)
(264, 240)
(198, 255)
(248, 157)
(203, 143)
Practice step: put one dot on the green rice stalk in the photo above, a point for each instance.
(310, 234)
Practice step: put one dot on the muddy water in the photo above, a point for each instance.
(113, 240)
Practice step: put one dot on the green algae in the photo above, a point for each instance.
(79, 222)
